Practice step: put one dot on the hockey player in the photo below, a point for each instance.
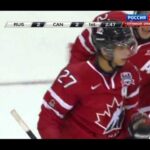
(84, 49)
(142, 61)
(91, 99)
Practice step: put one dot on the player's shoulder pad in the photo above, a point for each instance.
(78, 69)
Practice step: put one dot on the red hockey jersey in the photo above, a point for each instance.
(83, 103)
(142, 61)
(83, 49)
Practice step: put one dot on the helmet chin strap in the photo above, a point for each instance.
(109, 59)
(111, 65)
(110, 62)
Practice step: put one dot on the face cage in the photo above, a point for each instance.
(130, 44)
(109, 53)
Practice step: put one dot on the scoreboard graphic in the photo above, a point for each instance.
(62, 24)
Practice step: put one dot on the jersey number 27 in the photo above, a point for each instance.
(71, 79)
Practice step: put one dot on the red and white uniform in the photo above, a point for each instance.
(83, 49)
(142, 61)
(83, 103)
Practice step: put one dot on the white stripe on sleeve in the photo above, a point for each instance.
(60, 101)
(144, 109)
(54, 110)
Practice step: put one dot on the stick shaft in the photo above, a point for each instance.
(23, 124)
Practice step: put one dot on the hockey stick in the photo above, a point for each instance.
(22, 124)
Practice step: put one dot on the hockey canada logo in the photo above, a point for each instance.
(126, 79)
(111, 119)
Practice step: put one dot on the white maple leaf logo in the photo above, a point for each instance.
(114, 118)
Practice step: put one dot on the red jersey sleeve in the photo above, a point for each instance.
(57, 102)
(133, 99)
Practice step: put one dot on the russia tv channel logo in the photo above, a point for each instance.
(134, 17)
